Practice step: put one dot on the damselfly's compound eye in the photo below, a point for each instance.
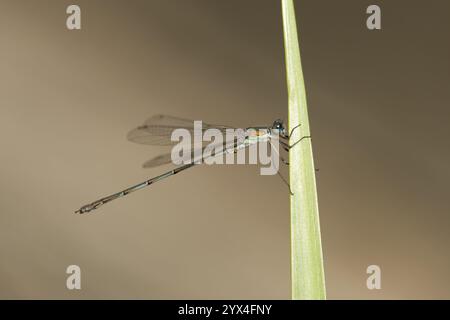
(278, 124)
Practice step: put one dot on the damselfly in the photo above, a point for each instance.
(157, 131)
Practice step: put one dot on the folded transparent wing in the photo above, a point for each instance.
(158, 129)
(213, 150)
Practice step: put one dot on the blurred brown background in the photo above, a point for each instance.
(379, 108)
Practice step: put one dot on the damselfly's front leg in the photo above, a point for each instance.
(285, 144)
(293, 129)
(283, 135)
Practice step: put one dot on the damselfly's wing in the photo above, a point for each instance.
(214, 150)
(157, 130)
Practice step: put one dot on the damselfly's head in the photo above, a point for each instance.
(278, 125)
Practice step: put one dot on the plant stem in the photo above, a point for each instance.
(307, 275)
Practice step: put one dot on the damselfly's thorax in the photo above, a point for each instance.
(256, 134)
(264, 133)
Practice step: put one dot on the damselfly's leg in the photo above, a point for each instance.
(290, 134)
(293, 129)
(285, 181)
(278, 171)
(284, 145)
(295, 143)
(287, 146)
(279, 155)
